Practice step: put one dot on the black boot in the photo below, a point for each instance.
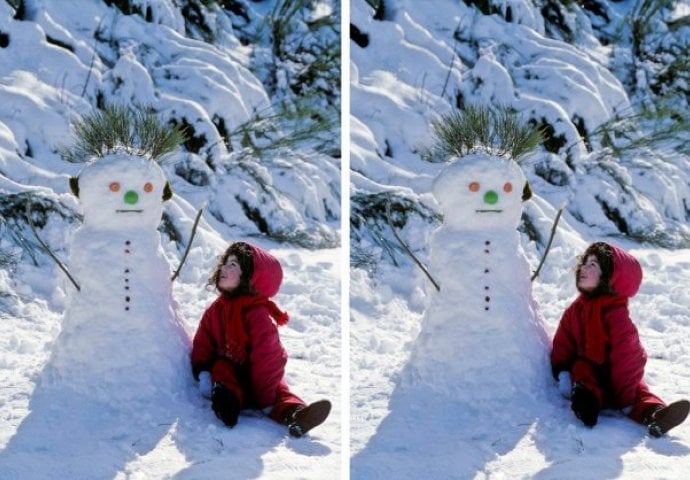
(663, 419)
(225, 405)
(585, 405)
(304, 419)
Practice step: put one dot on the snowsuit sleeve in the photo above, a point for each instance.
(267, 356)
(627, 356)
(564, 349)
(204, 345)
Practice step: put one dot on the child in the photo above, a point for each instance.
(597, 357)
(238, 346)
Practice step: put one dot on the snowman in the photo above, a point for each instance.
(482, 337)
(122, 337)
(119, 371)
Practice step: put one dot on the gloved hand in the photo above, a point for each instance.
(225, 405)
(205, 384)
(565, 385)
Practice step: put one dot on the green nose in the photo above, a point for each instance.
(131, 197)
(491, 197)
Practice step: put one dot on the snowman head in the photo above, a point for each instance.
(480, 191)
(122, 191)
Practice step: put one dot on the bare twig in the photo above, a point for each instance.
(47, 248)
(548, 244)
(407, 249)
(452, 61)
(189, 244)
(93, 56)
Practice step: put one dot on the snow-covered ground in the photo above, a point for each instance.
(553, 444)
(406, 68)
(192, 66)
(411, 63)
(183, 440)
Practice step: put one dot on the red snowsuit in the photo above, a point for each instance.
(597, 342)
(238, 342)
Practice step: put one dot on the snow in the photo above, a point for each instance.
(438, 390)
(158, 436)
(405, 436)
(420, 62)
(97, 383)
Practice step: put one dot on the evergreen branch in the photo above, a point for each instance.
(138, 131)
(499, 131)
(651, 127)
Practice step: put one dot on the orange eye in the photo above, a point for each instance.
(508, 187)
(474, 187)
(148, 187)
(115, 187)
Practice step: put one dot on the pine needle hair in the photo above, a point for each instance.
(476, 128)
(136, 131)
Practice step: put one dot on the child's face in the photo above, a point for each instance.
(230, 274)
(590, 274)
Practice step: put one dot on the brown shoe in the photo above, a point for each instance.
(665, 418)
(306, 418)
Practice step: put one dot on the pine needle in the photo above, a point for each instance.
(475, 128)
(137, 131)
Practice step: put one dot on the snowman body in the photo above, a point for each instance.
(122, 337)
(482, 336)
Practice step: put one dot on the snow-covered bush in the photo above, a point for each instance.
(374, 215)
(614, 151)
(47, 213)
(200, 67)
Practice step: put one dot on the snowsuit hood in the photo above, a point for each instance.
(268, 274)
(627, 273)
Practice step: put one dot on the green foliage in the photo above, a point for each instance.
(301, 125)
(296, 54)
(558, 17)
(369, 225)
(198, 23)
(305, 51)
(136, 131)
(14, 223)
(642, 19)
(659, 48)
(662, 125)
(7, 260)
(499, 131)
(300, 69)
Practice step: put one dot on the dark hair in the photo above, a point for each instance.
(604, 255)
(245, 257)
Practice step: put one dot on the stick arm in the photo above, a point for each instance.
(47, 248)
(189, 244)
